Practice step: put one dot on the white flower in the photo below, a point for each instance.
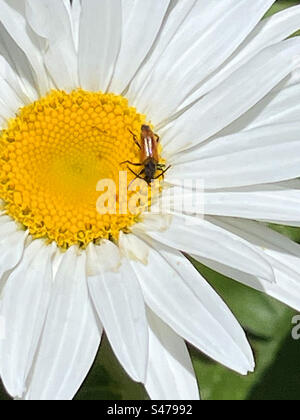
(222, 89)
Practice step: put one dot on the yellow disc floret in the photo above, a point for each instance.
(53, 155)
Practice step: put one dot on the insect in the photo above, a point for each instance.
(148, 146)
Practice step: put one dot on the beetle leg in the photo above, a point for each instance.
(135, 139)
(163, 172)
(137, 175)
(131, 163)
(157, 138)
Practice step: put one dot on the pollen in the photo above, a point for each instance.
(53, 156)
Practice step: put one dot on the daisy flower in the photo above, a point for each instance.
(221, 88)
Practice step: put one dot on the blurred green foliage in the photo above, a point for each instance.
(267, 323)
(280, 5)
(283, 4)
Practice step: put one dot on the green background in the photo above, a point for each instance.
(268, 325)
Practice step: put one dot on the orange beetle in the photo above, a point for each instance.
(149, 156)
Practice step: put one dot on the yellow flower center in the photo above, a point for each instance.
(53, 155)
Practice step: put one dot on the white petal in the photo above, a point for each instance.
(102, 258)
(11, 246)
(264, 237)
(25, 303)
(50, 20)
(5, 113)
(198, 48)
(170, 373)
(75, 19)
(99, 42)
(263, 155)
(243, 89)
(13, 19)
(280, 106)
(176, 17)
(268, 32)
(74, 11)
(282, 253)
(199, 237)
(9, 76)
(20, 65)
(286, 289)
(70, 338)
(133, 249)
(8, 226)
(175, 291)
(120, 306)
(12, 97)
(141, 22)
(266, 202)
(2, 121)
